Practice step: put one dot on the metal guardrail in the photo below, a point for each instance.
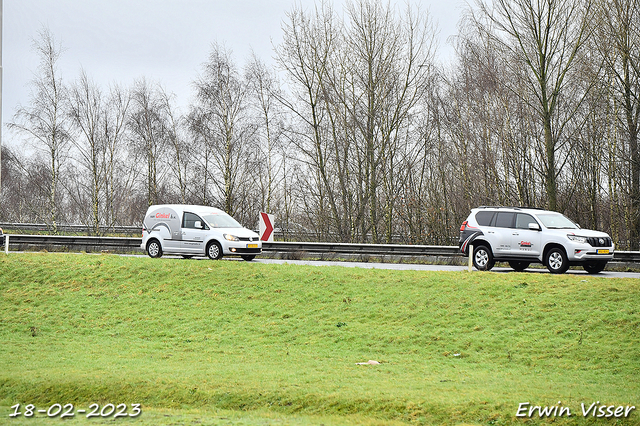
(276, 246)
(73, 241)
(301, 235)
(368, 249)
(80, 229)
(133, 244)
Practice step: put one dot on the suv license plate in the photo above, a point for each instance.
(603, 251)
(256, 246)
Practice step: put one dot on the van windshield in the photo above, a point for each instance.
(221, 220)
(556, 221)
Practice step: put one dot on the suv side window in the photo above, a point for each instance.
(504, 220)
(189, 221)
(523, 220)
(484, 218)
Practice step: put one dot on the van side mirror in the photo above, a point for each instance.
(534, 226)
(198, 224)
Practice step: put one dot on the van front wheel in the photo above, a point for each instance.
(214, 251)
(154, 249)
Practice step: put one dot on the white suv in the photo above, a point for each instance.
(522, 236)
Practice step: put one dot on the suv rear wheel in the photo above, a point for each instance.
(556, 261)
(482, 258)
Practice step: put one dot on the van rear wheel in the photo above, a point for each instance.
(214, 250)
(154, 249)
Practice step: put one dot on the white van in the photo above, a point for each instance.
(196, 231)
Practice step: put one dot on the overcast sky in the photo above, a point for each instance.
(164, 40)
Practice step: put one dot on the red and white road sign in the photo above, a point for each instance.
(266, 226)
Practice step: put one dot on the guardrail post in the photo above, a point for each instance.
(6, 244)
(470, 257)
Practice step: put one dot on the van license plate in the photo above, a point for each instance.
(256, 246)
(603, 251)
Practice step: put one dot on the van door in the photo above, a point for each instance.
(194, 231)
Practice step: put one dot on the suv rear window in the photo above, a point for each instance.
(484, 218)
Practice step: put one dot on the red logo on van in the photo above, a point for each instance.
(162, 216)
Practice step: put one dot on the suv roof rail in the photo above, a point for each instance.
(510, 207)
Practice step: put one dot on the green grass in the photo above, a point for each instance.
(243, 343)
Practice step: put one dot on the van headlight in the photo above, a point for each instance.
(577, 239)
(230, 237)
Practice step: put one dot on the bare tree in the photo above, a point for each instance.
(45, 121)
(87, 112)
(619, 32)
(118, 179)
(305, 56)
(540, 40)
(221, 116)
(265, 92)
(355, 87)
(148, 124)
(180, 150)
(390, 59)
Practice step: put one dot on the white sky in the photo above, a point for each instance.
(165, 41)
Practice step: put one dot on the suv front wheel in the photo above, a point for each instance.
(482, 258)
(556, 261)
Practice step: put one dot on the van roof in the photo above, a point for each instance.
(187, 207)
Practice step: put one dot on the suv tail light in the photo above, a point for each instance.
(464, 225)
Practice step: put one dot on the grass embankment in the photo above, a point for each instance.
(281, 342)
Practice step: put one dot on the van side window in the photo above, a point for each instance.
(523, 220)
(189, 220)
(484, 218)
(504, 220)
